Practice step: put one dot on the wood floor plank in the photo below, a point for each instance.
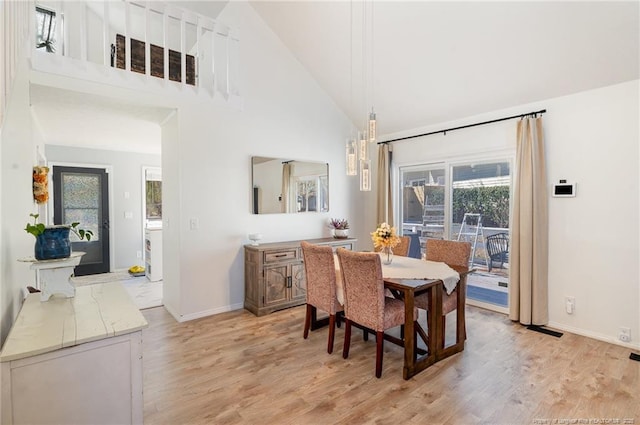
(236, 368)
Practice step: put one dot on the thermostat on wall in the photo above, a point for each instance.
(564, 190)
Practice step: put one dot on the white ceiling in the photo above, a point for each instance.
(440, 61)
(77, 119)
(432, 62)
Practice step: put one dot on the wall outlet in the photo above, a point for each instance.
(139, 254)
(624, 334)
(570, 304)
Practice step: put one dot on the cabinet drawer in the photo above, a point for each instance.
(344, 245)
(274, 256)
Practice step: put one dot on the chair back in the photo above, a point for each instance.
(453, 253)
(364, 301)
(320, 271)
(498, 245)
(403, 247)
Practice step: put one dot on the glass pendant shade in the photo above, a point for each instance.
(365, 175)
(352, 158)
(363, 147)
(372, 127)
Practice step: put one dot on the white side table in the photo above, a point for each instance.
(54, 276)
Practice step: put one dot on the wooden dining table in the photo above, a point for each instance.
(408, 277)
(414, 362)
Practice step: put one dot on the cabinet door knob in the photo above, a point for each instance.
(289, 281)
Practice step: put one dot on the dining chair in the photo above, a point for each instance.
(365, 303)
(453, 253)
(320, 271)
(402, 248)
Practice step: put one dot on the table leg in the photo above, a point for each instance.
(434, 311)
(435, 320)
(315, 322)
(409, 336)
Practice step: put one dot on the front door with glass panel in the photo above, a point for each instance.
(81, 195)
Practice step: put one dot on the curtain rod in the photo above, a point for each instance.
(542, 111)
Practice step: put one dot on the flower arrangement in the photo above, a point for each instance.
(339, 224)
(385, 236)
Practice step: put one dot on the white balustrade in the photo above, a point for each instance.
(93, 32)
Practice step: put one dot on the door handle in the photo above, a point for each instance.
(289, 281)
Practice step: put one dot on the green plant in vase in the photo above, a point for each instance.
(52, 242)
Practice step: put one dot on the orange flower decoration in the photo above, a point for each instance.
(40, 184)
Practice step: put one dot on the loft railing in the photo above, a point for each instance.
(157, 40)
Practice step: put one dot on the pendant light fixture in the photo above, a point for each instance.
(368, 135)
(363, 146)
(352, 158)
(365, 175)
(357, 149)
(372, 114)
(372, 125)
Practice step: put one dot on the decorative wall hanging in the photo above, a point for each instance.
(40, 184)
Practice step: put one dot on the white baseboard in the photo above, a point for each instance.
(200, 314)
(593, 335)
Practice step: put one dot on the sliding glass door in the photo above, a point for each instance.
(464, 201)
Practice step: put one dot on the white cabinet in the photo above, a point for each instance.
(74, 360)
(153, 254)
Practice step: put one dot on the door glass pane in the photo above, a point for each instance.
(81, 203)
(423, 201)
(480, 216)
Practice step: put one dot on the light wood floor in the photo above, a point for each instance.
(235, 368)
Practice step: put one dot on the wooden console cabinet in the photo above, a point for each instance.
(274, 275)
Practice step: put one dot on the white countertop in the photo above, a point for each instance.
(96, 312)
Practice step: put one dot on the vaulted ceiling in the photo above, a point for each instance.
(428, 62)
(421, 62)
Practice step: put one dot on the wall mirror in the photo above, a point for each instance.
(282, 185)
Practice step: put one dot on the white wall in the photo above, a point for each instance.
(285, 115)
(592, 139)
(171, 200)
(18, 156)
(125, 177)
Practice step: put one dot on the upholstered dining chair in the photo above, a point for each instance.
(402, 248)
(365, 302)
(453, 253)
(320, 271)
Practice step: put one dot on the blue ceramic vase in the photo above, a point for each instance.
(53, 243)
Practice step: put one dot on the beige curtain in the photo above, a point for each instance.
(528, 299)
(384, 208)
(286, 182)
